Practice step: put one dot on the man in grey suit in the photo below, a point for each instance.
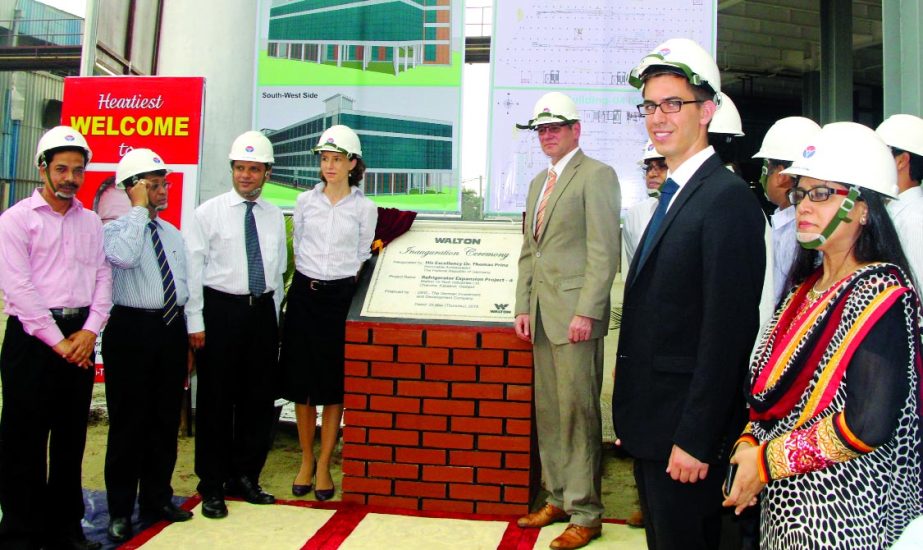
(569, 256)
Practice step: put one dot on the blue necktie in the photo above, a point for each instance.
(166, 277)
(254, 257)
(667, 190)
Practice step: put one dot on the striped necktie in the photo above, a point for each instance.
(540, 215)
(166, 277)
(255, 274)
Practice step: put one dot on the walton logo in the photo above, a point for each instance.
(809, 152)
(501, 308)
(456, 240)
(69, 137)
(249, 149)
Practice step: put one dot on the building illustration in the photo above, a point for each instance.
(404, 155)
(385, 35)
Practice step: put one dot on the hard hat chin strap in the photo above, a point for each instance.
(764, 177)
(814, 240)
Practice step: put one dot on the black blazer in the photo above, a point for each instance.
(689, 320)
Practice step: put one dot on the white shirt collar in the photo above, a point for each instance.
(562, 164)
(686, 170)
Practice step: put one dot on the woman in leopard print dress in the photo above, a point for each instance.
(834, 441)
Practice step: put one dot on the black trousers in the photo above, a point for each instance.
(145, 362)
(46, 403)
(236, 385)
(684, 516)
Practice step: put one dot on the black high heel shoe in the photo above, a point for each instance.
(302, 490)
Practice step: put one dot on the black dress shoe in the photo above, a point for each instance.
(119, 529)
(246, 489)
(168, 512)
(213, 507)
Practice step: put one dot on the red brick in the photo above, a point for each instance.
(499, 508)
(518, 393)
(474, 458)
(422, 389)
(419, 489)
(418, 456)
(394, 404)
(354, 468)
(368, 386)
(519, 461)
(368, 419)
(396, 370)
(355, 402)
(421, 422)
(519, 358)
(361, 352)
(451, 339)
(356, 368)
(501, 409)
(456, 506)
(518, 427)
(352, 434)
(503, 443)
(516, 494)
(477, 391)
(503, 477)
(478, 356)
(394, 437)
(358, 335)
(506, 375)
(442, 440)
(448, 406)
(448, 473)
(400, 337)
(503, 340)
(396, 471)
(393, 502)
(451, 372)
(367, 485)
(422, 355)
(367, 452)
(355, 498)
(477, 425)
(474, 492)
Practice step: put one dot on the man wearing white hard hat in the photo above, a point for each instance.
(568, 260)
(236, 257)
(57, 288)
(145, 346)
(655, 172)
(695, 285)
(904, 134)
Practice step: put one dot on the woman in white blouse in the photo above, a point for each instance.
(334, 227)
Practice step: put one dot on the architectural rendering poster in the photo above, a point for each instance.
(585, 50)
(390, 70)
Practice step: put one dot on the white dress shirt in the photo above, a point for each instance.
(784, 248)
(558, 168)
(907, 215)
(636, 221)
(216, 251)
(332, 240)
(687, 169)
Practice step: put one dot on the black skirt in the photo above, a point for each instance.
(313, 340)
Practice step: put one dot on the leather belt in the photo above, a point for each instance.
(150, 311)
(69, 312)
(247, 299)
(320, 284)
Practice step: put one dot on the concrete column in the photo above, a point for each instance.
(836, 61)
(901, 22)
(366, 56)
(394, 59)
(339, 55)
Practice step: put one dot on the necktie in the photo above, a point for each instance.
(540, 215)
(166, 277)
(254, 257)
(667, 190)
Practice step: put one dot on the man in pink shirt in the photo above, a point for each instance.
(57, 288)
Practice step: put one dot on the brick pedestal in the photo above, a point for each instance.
(438, 418)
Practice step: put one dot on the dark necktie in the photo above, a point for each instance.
(254, 257)
(667, 190)
(166, 277)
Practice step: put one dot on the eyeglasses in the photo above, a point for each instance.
(669, 106)
(656, 166)
(549, 128)
(816, 194)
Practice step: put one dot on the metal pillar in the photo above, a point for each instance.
(836, 61)
(902, 47)
(88, 49)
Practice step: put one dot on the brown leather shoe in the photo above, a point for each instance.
(546, 515)
(636, 519)
(576, 536)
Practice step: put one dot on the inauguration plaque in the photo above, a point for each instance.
(464, 271)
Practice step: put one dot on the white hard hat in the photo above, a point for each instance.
(787, 138)
(552, 108)
(685, 57)
(137, 162)
(904, 132)
(252, 146)
(726, 119)
(847, 152)
(650, 152)
(60, 136)
(340, 139)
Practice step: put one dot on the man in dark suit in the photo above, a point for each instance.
(569, 256)
(695, 286)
